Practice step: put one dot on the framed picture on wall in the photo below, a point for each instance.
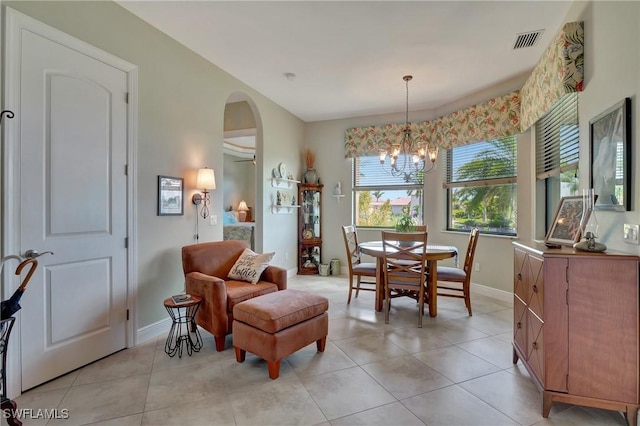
(566, 227)
(170, 196)
(610, 143)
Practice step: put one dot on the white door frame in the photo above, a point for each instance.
(14, 23)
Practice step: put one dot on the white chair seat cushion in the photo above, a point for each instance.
(364, 268)
(448, 273)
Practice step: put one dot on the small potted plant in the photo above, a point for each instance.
(405, 222)
(310, 176)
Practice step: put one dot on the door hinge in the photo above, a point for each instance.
(126, 97)
(126, 170)
(127, 315)
(126, 242)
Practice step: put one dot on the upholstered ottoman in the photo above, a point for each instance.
(275, 325)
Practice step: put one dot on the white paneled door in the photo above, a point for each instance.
(72, 187)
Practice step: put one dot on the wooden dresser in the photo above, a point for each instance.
(576, 326)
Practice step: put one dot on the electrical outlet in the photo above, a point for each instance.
(213, 220)
(286, 255)
(477, 267)
(631, 233)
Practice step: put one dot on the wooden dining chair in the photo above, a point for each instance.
(357, 268)
(404, 268)
(456, 282)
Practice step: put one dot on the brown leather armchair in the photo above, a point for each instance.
(206, 267)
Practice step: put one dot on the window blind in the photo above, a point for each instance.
(482, 163)
(558, 138)
(369, 173)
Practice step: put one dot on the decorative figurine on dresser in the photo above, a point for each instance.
(309, 228)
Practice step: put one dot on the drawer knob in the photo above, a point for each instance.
(534, 345)
(519, 276)
(534, 288)
(519, 325)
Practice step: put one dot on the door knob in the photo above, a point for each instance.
(32, 254)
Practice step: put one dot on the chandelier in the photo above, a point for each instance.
(408, 157)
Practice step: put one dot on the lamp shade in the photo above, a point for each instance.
(243, 206)
(206, 179)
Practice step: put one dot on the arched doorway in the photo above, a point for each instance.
(242, 147)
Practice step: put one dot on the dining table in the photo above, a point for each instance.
(433, 254)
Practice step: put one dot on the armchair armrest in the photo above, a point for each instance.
(276, 275)
(212, 314)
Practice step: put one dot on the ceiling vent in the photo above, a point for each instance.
(527, 39)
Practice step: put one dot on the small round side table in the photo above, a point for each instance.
(184, 330)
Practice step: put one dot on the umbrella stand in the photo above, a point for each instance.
(7, 309)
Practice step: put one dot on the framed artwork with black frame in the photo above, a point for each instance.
(610, 149)
(170, 196)
(566, 227)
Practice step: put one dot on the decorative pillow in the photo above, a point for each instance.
(229, 218)
(250, 266)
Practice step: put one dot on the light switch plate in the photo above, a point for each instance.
(631, 233)
(213, 220)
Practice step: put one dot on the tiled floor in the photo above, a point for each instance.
(456, 370)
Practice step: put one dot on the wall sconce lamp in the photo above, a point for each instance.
(242, 211)
(206, 180)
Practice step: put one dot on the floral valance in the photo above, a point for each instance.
(493, 119)
(559, 71)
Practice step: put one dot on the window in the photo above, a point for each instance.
(481, 186)
(379, 198)
(557, 153)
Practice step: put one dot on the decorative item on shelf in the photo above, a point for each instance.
(589, 225)
(310, 175)
(242, 211)
(206, 180)
(565, 228)
(408, 157)
(278, 198)
(338, 189)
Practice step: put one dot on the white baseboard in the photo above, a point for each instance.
(503, 296)
(154, 330)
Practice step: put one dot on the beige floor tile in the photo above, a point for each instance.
(453, 331)
(391, 414)
(344, 328)
(413, 339)
(126, 363)
(278, 403)
(134, 420)
(252, 373)
(207, 354)
(455, 406)
(177, 386)
(456, 364)
(345, 392)
(495, 351)
(489, 324)
(105, 400)
(62, 382)
(216, 411)
(370, 348)
(308, 361)
(517, 397)
(32, 402)
(406, 376)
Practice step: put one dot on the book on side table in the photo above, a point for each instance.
(179, 299)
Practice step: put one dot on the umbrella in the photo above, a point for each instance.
(12, 305)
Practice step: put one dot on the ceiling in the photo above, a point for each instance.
(349, 57)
